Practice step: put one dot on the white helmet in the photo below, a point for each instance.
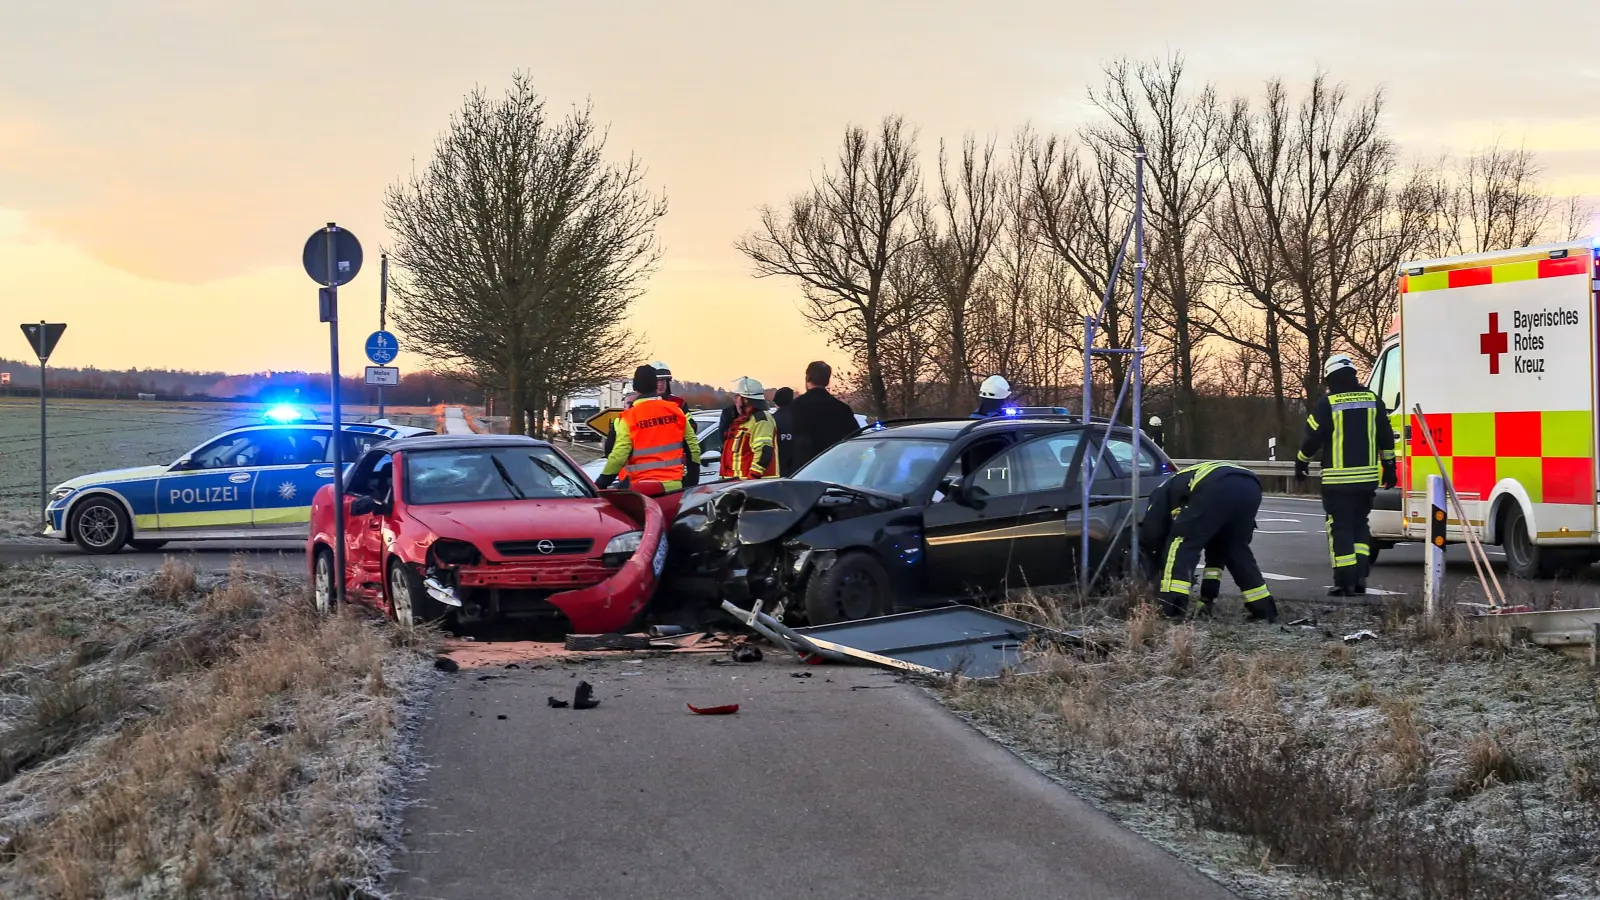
(662, 369)
(995, 388)
(1336, 362)
(750, 389)
(1155, 421)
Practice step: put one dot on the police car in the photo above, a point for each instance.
(256, 481)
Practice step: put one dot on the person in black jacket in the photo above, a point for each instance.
(1208, 508)
(818, 418)
(784, 419)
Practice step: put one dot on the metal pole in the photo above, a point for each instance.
(1433, 585)
(383, 310)
(1138, 340)
(1083, 469)
(44, 478)
(338, 423)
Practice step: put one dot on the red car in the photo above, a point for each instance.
(487, 527)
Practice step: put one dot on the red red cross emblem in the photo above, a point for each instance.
(1492, 343)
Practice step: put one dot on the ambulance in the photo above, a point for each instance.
(1499, 351)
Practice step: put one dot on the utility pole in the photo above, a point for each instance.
(383, 309)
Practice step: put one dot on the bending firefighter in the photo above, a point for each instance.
(1210, 507)
(1350, 429)
(749, 443)
(992, 397)
(655, 441)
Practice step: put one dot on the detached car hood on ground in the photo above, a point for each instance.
(484, 523)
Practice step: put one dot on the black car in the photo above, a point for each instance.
(916, 513)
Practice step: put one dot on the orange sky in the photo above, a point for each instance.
(162, 161)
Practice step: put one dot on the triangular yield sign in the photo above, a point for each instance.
(42, 337)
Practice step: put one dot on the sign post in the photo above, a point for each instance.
(43, 338)
(1438, 521)
(332, 257)
(383, 311)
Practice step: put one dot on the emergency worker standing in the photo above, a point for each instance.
(749, 445)
(655, 441)
(664, 386)
(1210, 507)
(992, 396)
(1350, 429)
(783, 421)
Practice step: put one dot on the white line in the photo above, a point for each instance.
(1265, 531)
(1271, 576)
(1290, 521)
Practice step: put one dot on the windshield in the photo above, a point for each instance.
(490, 473)
(891, 465)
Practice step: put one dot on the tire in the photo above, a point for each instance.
(409, 603)
(855, 587)
(99, 525)
(1524, 558)
(323, 593)
(147, 546)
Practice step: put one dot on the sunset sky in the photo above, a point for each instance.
(162, 161)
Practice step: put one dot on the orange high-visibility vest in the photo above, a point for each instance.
(656, 428)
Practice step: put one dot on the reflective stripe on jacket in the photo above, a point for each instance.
(1351, 433)
(749, 448)
(653, 436)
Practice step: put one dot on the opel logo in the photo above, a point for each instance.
(547, 546)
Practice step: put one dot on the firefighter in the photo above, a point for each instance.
(664, 385)
(749, 444)
(1212, 508)
(655, 441)
(1349, 429)
(992, 396)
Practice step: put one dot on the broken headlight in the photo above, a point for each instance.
(455, 553)
(621, 547)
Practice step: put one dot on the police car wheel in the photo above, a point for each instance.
(322, 586)
(99, 525)
(855, 587)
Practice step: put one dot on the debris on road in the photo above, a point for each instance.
(446, 664)
(952, 640)
(501, 716)
(799, 674)
(1362, 635)
(746, 653)
(726, 710)
(556, 703)
(583, 698)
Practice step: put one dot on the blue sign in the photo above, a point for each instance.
(382, 348)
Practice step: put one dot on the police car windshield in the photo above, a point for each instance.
(490, 473)
(887, 465)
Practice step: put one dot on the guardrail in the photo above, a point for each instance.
(1277, 475)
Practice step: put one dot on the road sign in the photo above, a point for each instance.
(383, 375)
(51, 332)
(602, 421)
(382, 347)
(332, 250)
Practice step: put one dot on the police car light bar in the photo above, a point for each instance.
(283, 414)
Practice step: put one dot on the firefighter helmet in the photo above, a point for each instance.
(750, 389)
(995, 388)
(1336, 362)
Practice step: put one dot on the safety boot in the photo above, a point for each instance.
(1263, 610)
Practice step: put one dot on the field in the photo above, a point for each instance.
(89, 436)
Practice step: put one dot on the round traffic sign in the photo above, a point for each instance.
(332, 256)
(382, 347)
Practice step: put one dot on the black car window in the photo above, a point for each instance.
(299, 446)
(1047, 461)
(357, 443)
(1120, 449)
(372, 476)
(235, 451)
(973, 456)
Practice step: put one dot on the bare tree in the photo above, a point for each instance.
(519, 243)
(959, 230)
(840, 239)
(1495, 199)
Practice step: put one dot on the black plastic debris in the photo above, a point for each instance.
(799, 674)
(501, 716)
(446, 664)
(746, 653)
(512, 666)
(583, 697)
(556, 703)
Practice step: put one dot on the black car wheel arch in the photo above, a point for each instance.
(850, 586)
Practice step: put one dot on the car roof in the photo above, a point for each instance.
(950, 429)
(460, 442)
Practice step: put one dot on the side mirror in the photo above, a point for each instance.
(362, 505)
(710, 456)
(182, 464)
(956, 490)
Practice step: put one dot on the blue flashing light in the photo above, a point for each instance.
(1012, 411)
(283, 414)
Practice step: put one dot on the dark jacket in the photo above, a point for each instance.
(785, 422)
(1171, 496)
(819, 420)
(1349, 430)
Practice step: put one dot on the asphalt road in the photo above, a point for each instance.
(286, 557)
(842, 785)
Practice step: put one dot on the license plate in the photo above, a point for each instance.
(660, 560)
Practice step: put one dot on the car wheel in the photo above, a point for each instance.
(98, 525)
(855, 587)
(1524, 558)
(408, 600)
(147, 546)
(323, 590)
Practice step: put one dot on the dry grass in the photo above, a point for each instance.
(1298, 766)
(221, 740)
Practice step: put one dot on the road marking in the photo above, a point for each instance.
(1290, 521)
(1272, 576)
(1377, 591)
(1265, 531)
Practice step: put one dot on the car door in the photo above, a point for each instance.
(211, 488)
(284, 489)
(1113, 505)
(1044, 553)
(373, 476)
(963, 534)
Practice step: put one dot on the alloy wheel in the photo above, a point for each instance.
(98, 525)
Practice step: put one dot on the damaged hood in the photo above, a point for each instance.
(769, 509)
(518, 520)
